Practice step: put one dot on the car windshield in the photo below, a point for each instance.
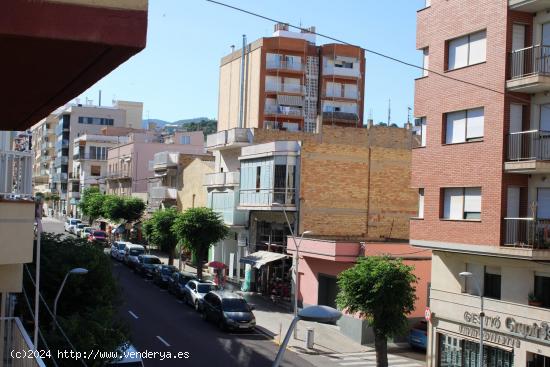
(205, 288)
(136, 252)
(75, 221)
(235, 305)
(121, 246)
(151, 260)
(99, 234)
(81, 226)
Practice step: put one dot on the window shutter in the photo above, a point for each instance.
(456, 127)
(478, 45)
(350, 90)
(420, 203)
(475, 123)
(423, 131)
(545, 117)
(453, 203)
(472, 199)
(516, 117)
(425, 61)
(458, 53)
(543, 203)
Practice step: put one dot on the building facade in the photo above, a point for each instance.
(43, 142)
(193, 193)
(290, 83)
(484, 201)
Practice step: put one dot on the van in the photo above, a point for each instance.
(131, 253)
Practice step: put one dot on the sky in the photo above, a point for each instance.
(176, 75)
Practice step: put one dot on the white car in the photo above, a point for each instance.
(118, 248)
(195, 290)
(131, 253)
(70, 223)
(78, 229)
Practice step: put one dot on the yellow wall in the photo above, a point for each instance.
(193, 184)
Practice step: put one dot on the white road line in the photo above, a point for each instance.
(133, 315)
(163, 341)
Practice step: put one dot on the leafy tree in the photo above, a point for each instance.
(91, 203)
(133, 209)
(158, 230)
(113, 207)
(88, 307)
(382, 124)
(382, 291)
(199, 228)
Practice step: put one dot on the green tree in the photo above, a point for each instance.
(133, 209)
(199, 228)
(113, 207)
(158, 230)
(91, 203)
(88, 307)
(380, 290)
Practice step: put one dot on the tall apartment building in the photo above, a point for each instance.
(75, 121)
(290, 83)
(484, 196)
(43, 146)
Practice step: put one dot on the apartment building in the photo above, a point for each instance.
(43, 146)
(484, 198)
(193, 193)
(289, 83)
(128, 164)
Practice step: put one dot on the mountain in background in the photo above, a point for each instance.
(204, 124)
(161, 123)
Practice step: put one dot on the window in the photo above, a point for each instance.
(95, 170)
(95, 120)
(420, 203)
(258, 178)
(420, 125)
(186, 139)
(466, 50)
(542, 289)
(464, 126)
(491, 284)
(425, 61)
(462, 203)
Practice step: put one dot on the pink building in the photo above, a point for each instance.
(128, 164)
(322, 260)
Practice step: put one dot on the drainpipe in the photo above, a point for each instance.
(241, 100)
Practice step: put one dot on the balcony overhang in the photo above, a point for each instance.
(339, 251)
(530, 6)
(61, 48)
(535, 83)
(527, 167)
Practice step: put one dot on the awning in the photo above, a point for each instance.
(260, 258)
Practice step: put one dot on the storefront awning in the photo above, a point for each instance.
(260, 258)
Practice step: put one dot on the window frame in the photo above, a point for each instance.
(464, 213)
(469, 42)
(488, 279)
(466, 118)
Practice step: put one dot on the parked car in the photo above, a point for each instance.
(228, 310)
(195, 290)
(418, 336)
(162, 275)
(146, 265)
(78, 228)
(71, 222)
(177, 283)
(117, 249)
(98, 237)
(131, 253)
(86, 231)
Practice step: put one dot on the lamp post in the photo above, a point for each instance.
(467, 274)
(79, 271)
(296, 262)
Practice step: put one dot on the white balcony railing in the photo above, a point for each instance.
(284, 65)
(341, 71)
(283, 110)
(16, 339)
(16, 173)
(163, 193)
(229, 137)
(166, 159)
(222, 179)
(285, 87)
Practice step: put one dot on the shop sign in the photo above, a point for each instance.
(536, 331)
(489, 336)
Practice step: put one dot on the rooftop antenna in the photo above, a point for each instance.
(370, 114)
(389, 111)
(409, 109)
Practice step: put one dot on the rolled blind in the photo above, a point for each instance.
(456, 127)
(478, 45)
(453, 203)
(458, 53)
(472, 199)
(475, 121)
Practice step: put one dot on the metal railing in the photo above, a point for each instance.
(119, 174)
(163, 192)
(284, 65)
(283, 110)
(222, 178)
(15, 338)
(529, 145)
(527, 233)
(266, 197)
(285, 87)
(16, 173)
(335, 70)
(92, 156)
(530, 61)
(345, 116)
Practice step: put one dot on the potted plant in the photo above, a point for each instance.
(533, 300)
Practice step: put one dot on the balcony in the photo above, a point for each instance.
(89, 156)
(530, 6)
(346, 117)
(285, 88)
(530, 70)
(163, 193)
(61, 144)
(288, 111)
(18, 340)
(341, 95)
(59, 177)
(227, 139)
(222, 179)
(528, 152)
(59, 128)
(119, 175)
(263, 199)
(341, 71)
(16, 226)
(529, 236)
(284, 66)
(16, 173)
(164, 160)
(61, 161)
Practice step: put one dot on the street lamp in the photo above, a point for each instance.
(467, 274)
(296, 263)
(321, 314)
(78, 271)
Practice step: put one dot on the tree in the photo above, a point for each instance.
(382, 291)
(91, 203)
(199, 228)
(133, 209)
(158, 230)
(113, 207)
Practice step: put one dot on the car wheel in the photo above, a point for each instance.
(197, 305)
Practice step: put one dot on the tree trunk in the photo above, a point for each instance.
(381, 346)
(171, 257)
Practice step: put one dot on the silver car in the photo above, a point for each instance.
(195, 290)
(118, 249)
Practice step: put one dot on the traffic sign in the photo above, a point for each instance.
(427, 314)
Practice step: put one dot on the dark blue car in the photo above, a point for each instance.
(418, 336)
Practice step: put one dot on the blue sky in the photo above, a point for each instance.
(176, 76)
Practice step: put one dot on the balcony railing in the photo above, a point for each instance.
(527, 233)
(16, 173)
(90, 156)
(60, 161)
(61, 144)
(229, 137)
(283, 110)
(284, 65)
(165, 159)
(341, 71)
(58, 177)
(267, 197)
(529, 145)
(342, 116)
(284, 87)
(530, 61)
(119, 174)
(163, 193)
(16, 339)
(222, 179)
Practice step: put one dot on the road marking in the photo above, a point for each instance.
(163, 341)
(133, 315)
